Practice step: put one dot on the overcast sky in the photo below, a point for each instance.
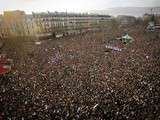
(72, 5)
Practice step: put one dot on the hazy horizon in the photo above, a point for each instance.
(72, 6)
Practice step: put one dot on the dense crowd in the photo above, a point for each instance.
(76, 78)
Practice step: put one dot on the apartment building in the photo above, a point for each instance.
(66, 23)
(17, 23)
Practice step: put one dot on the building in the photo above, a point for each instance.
(17, 23)
(126, 20)
(68, 23)
(152, 17)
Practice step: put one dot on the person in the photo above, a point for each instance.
(5, 64)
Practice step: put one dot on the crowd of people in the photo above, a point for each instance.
(76, 78)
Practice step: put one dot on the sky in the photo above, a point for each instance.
(72, 5)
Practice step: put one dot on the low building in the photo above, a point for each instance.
(126, 20)
(152, 17)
